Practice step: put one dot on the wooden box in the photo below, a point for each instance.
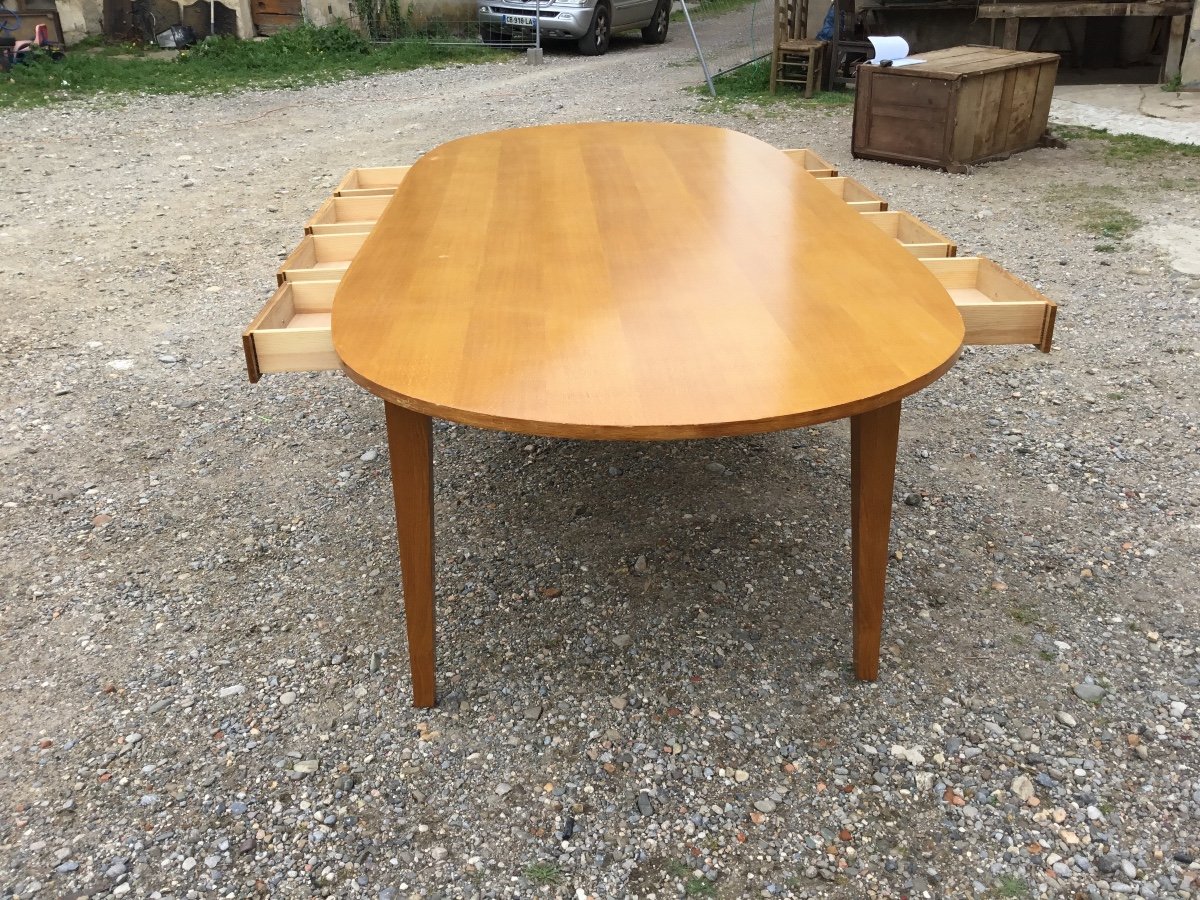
(914, 235)
(855, 194)
(996, 306)
(816, 166)
(347, 215)
(960, 106)
(292, 333)
(371, 181)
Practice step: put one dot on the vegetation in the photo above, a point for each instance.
(1011, 886)
(290, 58)
(1097, 209)
(1128, 147)
(751, 84)
(542, 873)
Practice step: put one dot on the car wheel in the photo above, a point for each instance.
(656, 31)
(595, 42)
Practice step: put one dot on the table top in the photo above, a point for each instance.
(634, 281)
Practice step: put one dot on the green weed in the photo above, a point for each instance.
(1011, 886)
(543, 873)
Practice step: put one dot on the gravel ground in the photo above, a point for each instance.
(644, 648)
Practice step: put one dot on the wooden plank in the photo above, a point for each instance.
(1014, 127)
(1041, 104)
(1061, 10)
(1012, 33)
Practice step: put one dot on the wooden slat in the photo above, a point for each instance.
(1060, 10)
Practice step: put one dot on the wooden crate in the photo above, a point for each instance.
(996, 306)
(960, 106)
(855, 194)
(816, 166)
(914, 235)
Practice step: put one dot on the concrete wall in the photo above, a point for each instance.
(80, 18)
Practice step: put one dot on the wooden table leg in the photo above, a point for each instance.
(410, 446)
(873, 438)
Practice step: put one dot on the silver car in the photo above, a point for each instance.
(588, 22)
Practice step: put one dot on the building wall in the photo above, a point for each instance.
(80, 18)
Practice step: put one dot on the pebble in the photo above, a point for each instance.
(232, 691)
(287, 698)
(1092, 693)
(1066, 718)
(369, 456)
(766, 805)
(306, 766)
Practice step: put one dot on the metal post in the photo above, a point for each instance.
(533, 55)
(700, 53)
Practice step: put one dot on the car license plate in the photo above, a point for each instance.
(526, 21)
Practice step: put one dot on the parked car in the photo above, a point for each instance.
(588, 22)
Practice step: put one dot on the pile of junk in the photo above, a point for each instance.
(19, 51)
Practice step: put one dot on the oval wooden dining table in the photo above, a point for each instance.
(635, 281)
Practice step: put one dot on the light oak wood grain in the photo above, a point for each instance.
(634, 281)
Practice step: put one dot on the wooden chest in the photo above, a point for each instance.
(960, 106)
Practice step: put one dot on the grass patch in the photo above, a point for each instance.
(1024, 615)
(1011, 886)
(1097, 210)
(699, 887)
(752, 84)
(543, 873)
(291, 58)
(1107, 220)
(1129, 147)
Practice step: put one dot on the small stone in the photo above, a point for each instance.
(439, 853)
(741, 775)
(369, 456)
(189, 864)
(644, 806)
(912, 499)
(132, 738)
(306, 766)
(716, 468)
(503, 788)
(1177, 709)
(232, 691)
(287, 698)
(623, 641)
(69, 866)
(1092, 693)
(533, 713)
(121, 889)
(618, 703)
(1066, 718)
(1128, 868)
(640, 566)
(765, 805)
(1022, 787)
